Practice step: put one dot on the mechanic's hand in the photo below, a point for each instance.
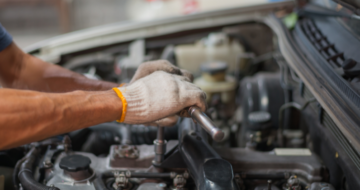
(157, 98)
(147, 68)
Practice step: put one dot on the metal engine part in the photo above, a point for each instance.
(138, 161)
(262, 96)
(217, 46)
(136, 157)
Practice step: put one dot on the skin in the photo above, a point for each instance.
(40, 100)
(53, 100)
(19, 70)
(34, 116)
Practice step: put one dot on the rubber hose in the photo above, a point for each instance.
(26, 173)
(99, 184)
(28, 181)
(16, 171)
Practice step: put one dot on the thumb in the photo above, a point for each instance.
(165, 122)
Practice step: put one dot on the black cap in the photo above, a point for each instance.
(259, 120)
(74, 163)
(213, 67)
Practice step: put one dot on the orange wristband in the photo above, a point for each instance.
(124, 104)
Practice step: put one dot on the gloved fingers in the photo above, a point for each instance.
(165, 122)
(201, 101)
(183, 78)
(184, 112)
(194, 96)
(187, 74)
(152, 66)
(160, 95)
(191, 86)
(198, 99)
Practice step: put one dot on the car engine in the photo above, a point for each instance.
(278, 132)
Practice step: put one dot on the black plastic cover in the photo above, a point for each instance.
(213, 67)
(74, 163)
(208, 170)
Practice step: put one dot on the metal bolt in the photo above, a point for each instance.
(67, 143)
(179, 181)
(126, 151)
(161, 186)
(120, 181)
(47, 164)
(186, 174)
(159, 146)
(269, 184)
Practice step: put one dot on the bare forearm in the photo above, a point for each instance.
(23, 71)
(27, 116)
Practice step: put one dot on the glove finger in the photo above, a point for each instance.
(168, 121)
(199, 100)
(152, 66)
(184, 112)
(183, 78)
(187, 74)
(165, 122)
(191, 86)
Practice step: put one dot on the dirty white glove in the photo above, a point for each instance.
(147, 68)
(159, 65)
(158, 97)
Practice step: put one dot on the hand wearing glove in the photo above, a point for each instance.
(160, 65)
(148, 68)
(157, 99)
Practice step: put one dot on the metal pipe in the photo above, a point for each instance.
(281, 111)
(159, 147)
(26, 174)
(160, 133)
(206, 123)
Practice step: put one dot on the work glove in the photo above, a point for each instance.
(160, 65)
(147, 68)
(158, 98)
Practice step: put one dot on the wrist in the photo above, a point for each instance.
(123, 100)
(106, 104)
(136, 110)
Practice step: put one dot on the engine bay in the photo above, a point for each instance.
(277, 136)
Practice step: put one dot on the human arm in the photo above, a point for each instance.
(23, 71)
(28, 116)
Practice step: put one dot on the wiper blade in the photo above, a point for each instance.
(319, 11)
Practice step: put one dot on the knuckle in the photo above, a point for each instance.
(203, 95)
(164, 61)
(143, 65)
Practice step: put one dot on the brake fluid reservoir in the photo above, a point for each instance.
(217, 46)
(214, 80)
